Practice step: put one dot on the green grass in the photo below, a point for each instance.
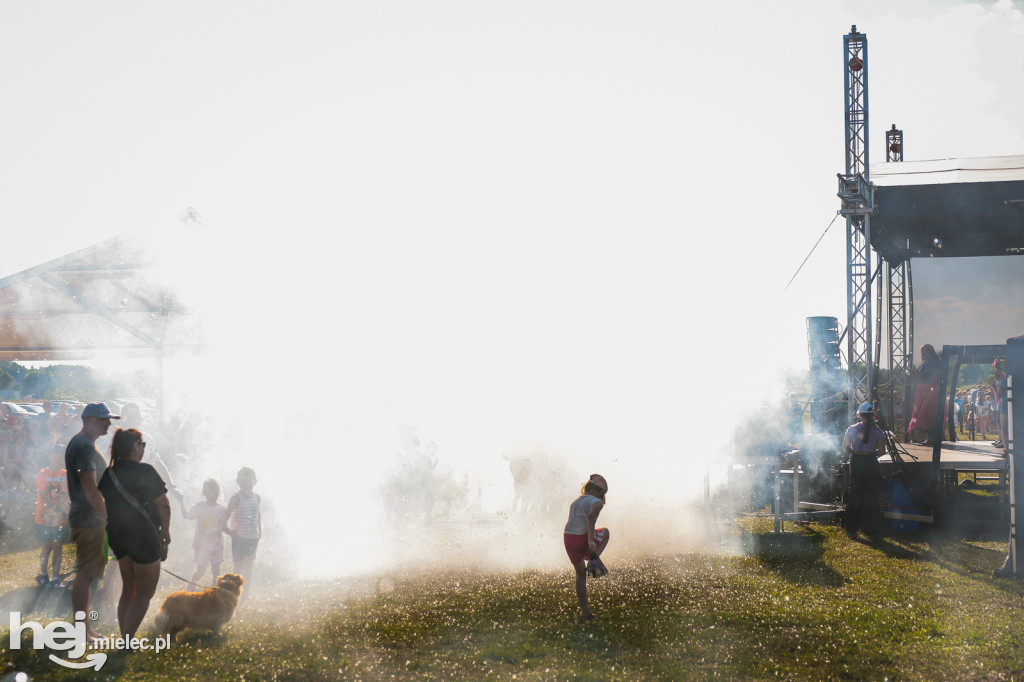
(808, 604)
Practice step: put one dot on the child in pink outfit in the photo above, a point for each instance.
(210, 517)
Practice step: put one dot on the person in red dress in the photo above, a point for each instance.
(926, 399)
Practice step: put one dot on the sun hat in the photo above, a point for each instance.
(98, 410)
(866, 408)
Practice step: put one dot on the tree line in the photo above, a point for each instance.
(56, 381)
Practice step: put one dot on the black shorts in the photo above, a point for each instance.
(142, 548)
(242, 548)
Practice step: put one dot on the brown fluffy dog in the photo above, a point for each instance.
(206, 610)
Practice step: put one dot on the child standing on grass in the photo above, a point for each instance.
(582, 538)
(208, 544)
(52, 504)
(244, 523)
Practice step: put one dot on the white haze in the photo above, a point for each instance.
(310, 380)
(551, 225)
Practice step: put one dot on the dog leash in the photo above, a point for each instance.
(186, 580)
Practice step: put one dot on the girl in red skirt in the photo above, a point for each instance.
(582, 538)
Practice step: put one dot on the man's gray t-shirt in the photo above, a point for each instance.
(82, 455)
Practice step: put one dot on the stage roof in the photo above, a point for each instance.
(100, 301)
(948, 208)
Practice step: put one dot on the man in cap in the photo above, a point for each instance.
(864, 442)
(88, 514)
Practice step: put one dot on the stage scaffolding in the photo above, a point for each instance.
(920, 209)
(899, 304)
(858, 203)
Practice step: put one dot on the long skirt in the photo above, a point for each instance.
(926, 402)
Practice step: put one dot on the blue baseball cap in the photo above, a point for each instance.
(98, 410)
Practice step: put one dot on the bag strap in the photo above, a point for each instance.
(131, 500)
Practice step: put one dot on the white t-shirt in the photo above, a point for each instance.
(854, 439)
(578, 511)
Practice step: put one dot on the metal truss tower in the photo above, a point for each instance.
(896, 281)
(858, 201)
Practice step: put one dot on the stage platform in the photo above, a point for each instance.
(963, 455)
(977, 458)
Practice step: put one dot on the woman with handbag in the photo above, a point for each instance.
(138, 519)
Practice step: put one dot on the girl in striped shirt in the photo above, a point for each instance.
(244, 524)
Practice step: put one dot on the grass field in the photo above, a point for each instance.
(808, 604)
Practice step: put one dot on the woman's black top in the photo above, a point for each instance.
(128, 533)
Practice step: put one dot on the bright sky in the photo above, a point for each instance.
(492, 220)
(984, 305)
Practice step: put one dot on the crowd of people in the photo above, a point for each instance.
(30, 433)
(119, 506)
(27, 438)
(976, 413)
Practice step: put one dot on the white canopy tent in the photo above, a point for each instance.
(97, 302)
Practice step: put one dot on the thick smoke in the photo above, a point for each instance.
(395, 411)
(402, 429)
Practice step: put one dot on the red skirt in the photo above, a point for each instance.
(926, 403)
(577, 547)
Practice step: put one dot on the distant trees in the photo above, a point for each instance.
(974, 375)
(56, 381)
(7, 380)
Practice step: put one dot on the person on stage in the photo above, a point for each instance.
(926, 399)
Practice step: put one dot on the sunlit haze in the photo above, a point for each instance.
(496, 223)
